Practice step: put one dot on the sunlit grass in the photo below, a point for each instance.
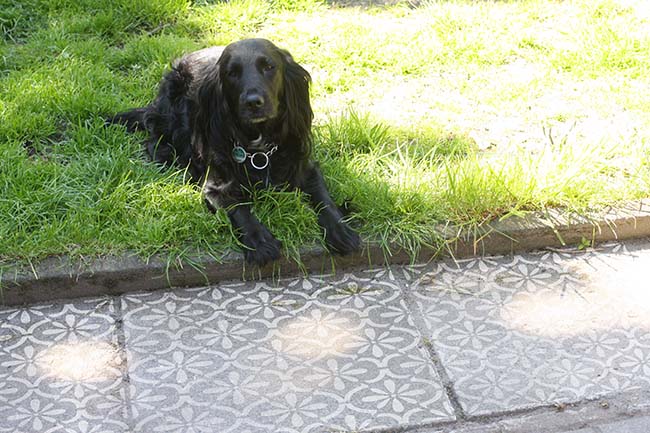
(454, 112)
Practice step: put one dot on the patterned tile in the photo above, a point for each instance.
(631, 425)
(517, 332)
(305, 355)
(60, 369)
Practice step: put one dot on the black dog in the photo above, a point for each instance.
(240, 117)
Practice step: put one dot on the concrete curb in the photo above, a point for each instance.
(60, 278)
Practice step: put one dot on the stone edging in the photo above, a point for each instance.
(59, 278)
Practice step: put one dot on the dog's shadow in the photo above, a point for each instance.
(389, 181)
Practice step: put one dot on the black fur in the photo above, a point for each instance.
(215, 99)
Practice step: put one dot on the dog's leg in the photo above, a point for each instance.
(260, 246)
(340, 237)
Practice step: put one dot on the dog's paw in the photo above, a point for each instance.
(261, 247)
(341, 238)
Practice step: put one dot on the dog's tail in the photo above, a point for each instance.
(133, 119)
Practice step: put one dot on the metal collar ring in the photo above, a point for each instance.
(265, 160)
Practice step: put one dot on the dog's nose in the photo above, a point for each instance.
(254, 101)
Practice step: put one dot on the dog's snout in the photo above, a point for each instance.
(254, 101)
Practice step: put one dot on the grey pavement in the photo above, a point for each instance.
(552, 342)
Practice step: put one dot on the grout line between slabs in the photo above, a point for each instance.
(121, 346)
(445, 380)
(447, 383)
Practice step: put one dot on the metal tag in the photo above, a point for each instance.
(239, 154)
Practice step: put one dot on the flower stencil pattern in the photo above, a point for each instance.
(519, 331)
(344, 352)
(293, 356)
(58, 365)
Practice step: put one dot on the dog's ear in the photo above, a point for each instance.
(212, 113)
(299, 114)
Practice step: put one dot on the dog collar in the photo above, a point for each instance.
(259, 160)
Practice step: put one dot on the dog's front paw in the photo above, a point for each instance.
(261, 247)
(341, 238)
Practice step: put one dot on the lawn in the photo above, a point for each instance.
(448, 112)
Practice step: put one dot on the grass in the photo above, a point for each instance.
(453, 112)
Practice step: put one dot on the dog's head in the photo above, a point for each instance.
(259, 81)
(254, 87)
(251, 72)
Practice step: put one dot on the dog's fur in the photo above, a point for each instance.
(218, 98)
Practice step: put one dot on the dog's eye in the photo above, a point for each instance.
(267, 67)
(234, 71)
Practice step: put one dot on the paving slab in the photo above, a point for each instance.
(539, 329)
(61, 368)
(324, 353)
(636, 425)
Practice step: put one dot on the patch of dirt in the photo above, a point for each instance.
(43, 148)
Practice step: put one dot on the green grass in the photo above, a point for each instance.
(454, 112)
